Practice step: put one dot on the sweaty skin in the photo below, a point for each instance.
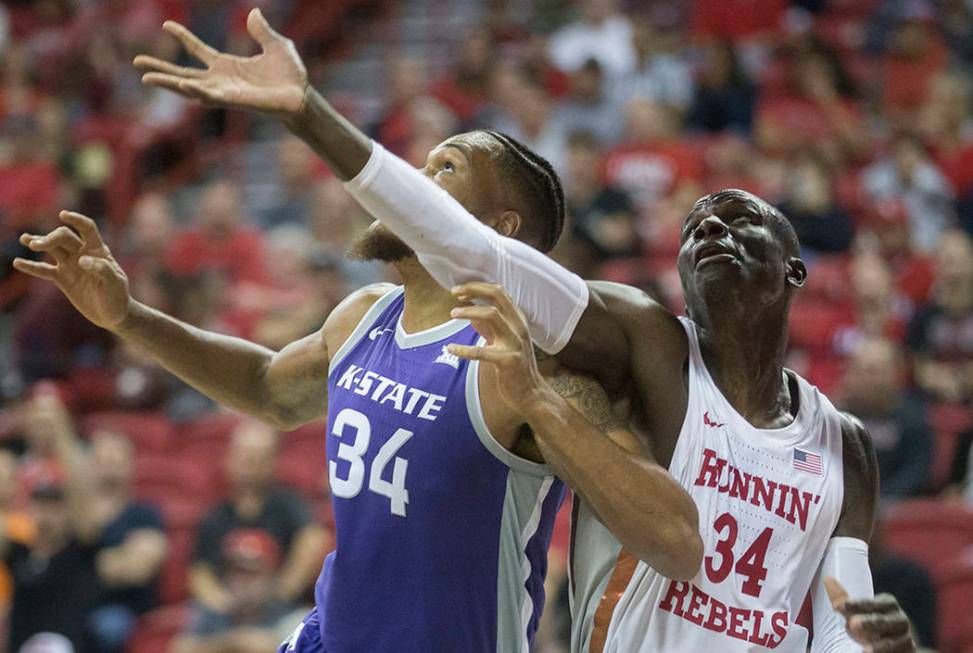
(738, 296)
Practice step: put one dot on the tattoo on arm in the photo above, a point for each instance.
(587, 397)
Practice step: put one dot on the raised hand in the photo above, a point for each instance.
(274, 81)
(508, 347)
(878, 624)
(83, 268)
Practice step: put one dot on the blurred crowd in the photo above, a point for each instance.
(852, 116)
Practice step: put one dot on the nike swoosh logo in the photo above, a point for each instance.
(376, 332)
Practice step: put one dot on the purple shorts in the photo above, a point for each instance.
(306, 638)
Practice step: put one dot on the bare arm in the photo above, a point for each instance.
(134, 562)
(285, 388)
(602, 461)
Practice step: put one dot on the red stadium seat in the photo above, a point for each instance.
(931, 533)
(954, 589)
(155, 631)
(147, 431)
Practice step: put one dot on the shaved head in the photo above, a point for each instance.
(778, 221)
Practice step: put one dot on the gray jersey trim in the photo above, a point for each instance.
(523, 503)
(363, 326)
(475, 411)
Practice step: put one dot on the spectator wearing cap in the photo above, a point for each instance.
(874, 390)
(54, 579)
(255, 619)
(255, 503)
(16, 525)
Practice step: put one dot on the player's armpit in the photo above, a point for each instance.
(296, 378)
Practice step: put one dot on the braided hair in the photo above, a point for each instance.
(536, 182)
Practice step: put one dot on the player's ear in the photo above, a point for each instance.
(509, 223)
(796, 272)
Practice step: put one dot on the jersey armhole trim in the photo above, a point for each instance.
(364, 324)
(475, 411)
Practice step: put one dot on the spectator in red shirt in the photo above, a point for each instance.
(219, 244)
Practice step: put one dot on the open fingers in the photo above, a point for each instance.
(84, 226)
(191, 42)
(152, 64)
(260, 29)
(38, 269)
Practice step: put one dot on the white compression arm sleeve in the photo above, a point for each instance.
(846, 560)
(457, 248)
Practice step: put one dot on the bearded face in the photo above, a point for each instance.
(377, 243)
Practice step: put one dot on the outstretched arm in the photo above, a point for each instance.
(450, 242)
(284, 388)
(588, 447)
(847, 615)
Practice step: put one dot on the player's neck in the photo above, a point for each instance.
(427, 304)
(744, 353)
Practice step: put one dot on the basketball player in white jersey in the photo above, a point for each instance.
(786, 485)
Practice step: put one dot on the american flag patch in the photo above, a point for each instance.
(805, 461)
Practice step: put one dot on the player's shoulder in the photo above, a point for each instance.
(859, 450)
(629, 306)
(350, 311)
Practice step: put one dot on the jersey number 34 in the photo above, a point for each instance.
(355, 432)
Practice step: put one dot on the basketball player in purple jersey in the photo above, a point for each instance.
(443, 504)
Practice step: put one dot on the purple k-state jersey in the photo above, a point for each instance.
(442, 534)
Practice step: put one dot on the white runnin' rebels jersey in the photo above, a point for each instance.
(769, 501)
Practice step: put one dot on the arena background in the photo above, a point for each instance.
(853, 116)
